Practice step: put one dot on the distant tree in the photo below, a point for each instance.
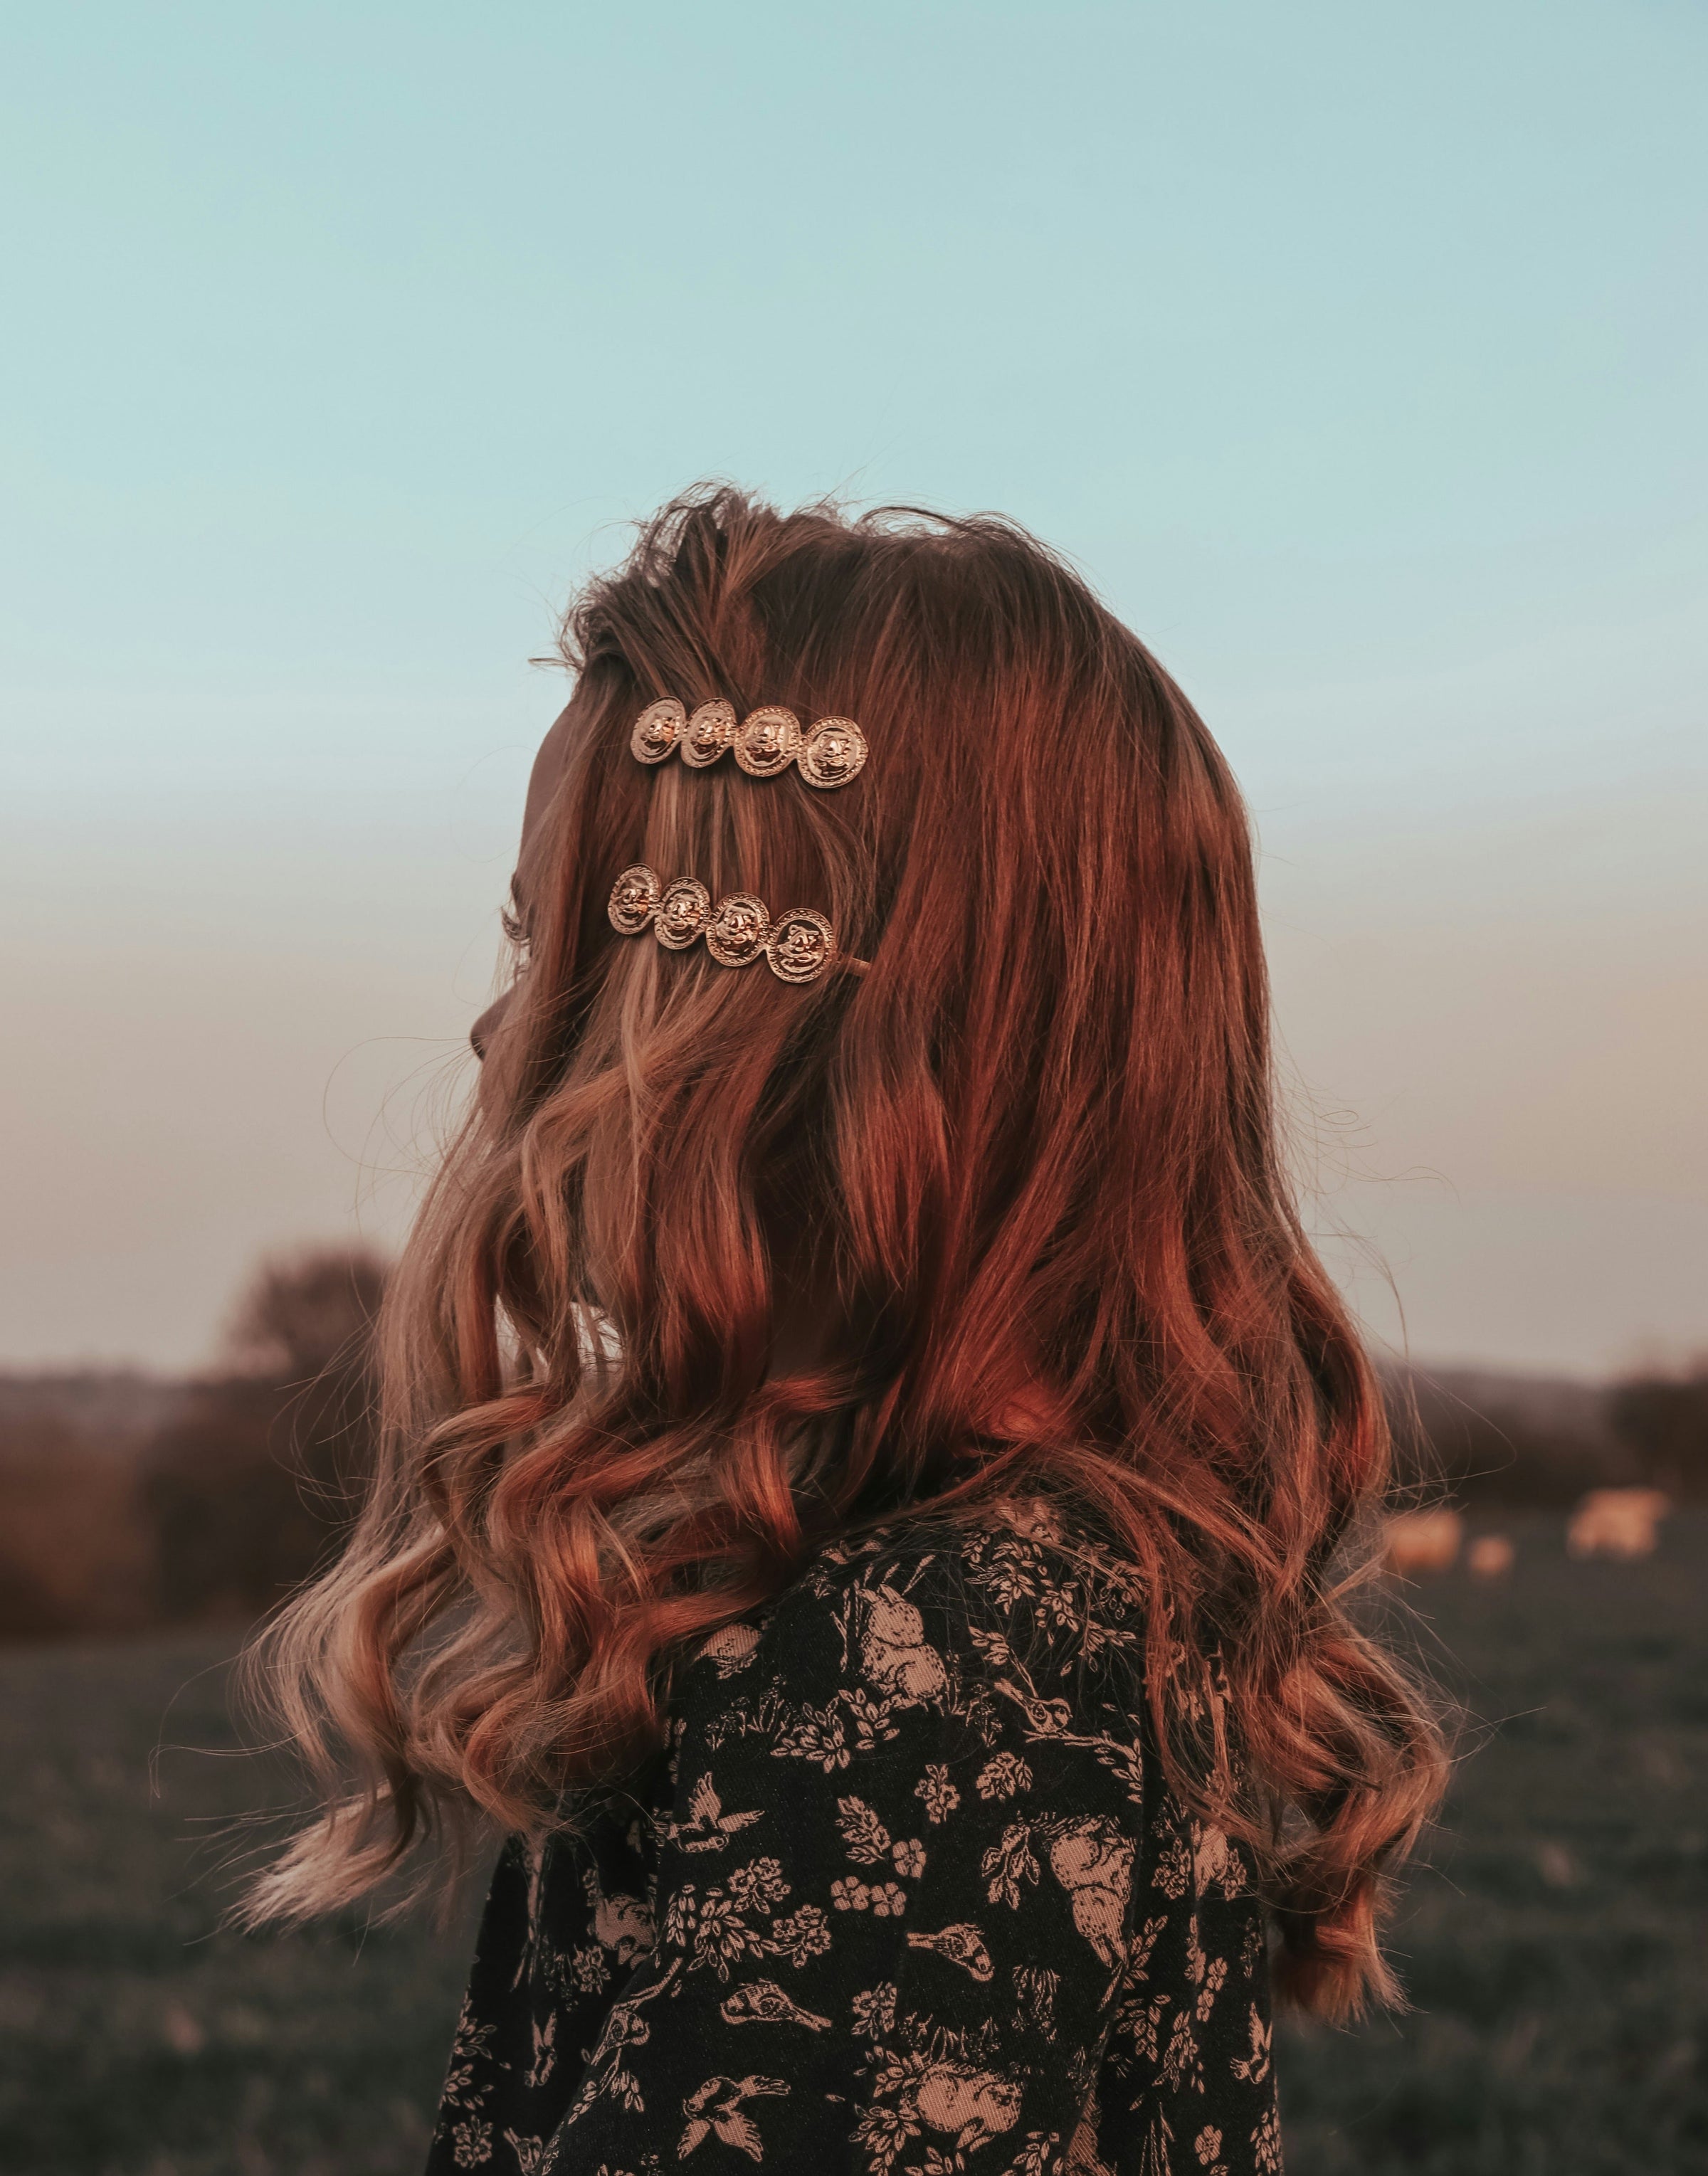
(254, 1483)
(1473, 1444)
(74, 1556)
(1662, 1421)
(306, 1315)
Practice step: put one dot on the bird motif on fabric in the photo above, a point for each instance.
(762, 2002)
(716, 2108)
(962, 1944)
(708, 1826)
(1256, 2065)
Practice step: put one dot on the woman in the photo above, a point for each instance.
(868, 1439)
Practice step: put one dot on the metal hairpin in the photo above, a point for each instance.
(799, 946)
(827, 754)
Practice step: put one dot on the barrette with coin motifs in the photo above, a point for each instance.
(826, 754)
(799, 946)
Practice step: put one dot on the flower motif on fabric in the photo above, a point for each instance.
(1207, 2146)
(1003, 1777)
(940, 1796)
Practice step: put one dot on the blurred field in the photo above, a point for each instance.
(1555, 1949)
(135, 2039)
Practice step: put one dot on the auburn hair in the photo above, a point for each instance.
(718, 1267)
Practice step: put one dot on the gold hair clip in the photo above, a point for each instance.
(829, 753)
(800, 946)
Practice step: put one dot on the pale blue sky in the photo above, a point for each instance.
(1354, 350)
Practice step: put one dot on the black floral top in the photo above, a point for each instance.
(905, 1895)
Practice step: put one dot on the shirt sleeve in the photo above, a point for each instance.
(893, 1912)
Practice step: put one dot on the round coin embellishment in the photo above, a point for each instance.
(707, 733)
(634, 899)
(832, 753)
(681, 914)
(657, 729)
(767, 741)
(737, 932)
(802, 946)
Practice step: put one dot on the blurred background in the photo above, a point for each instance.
(1354, 352)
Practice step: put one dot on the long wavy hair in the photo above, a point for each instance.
(718, 1267)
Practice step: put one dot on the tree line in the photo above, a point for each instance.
(237, 1487)
(127, 1504)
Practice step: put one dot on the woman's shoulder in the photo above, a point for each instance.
(918, 1611)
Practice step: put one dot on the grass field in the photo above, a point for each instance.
(1554, 1946)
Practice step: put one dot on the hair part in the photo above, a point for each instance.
(717, 1269)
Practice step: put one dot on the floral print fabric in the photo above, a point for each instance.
(905, 1895)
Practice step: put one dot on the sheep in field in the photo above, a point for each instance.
(1616, 1522)
(1422, 1542)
